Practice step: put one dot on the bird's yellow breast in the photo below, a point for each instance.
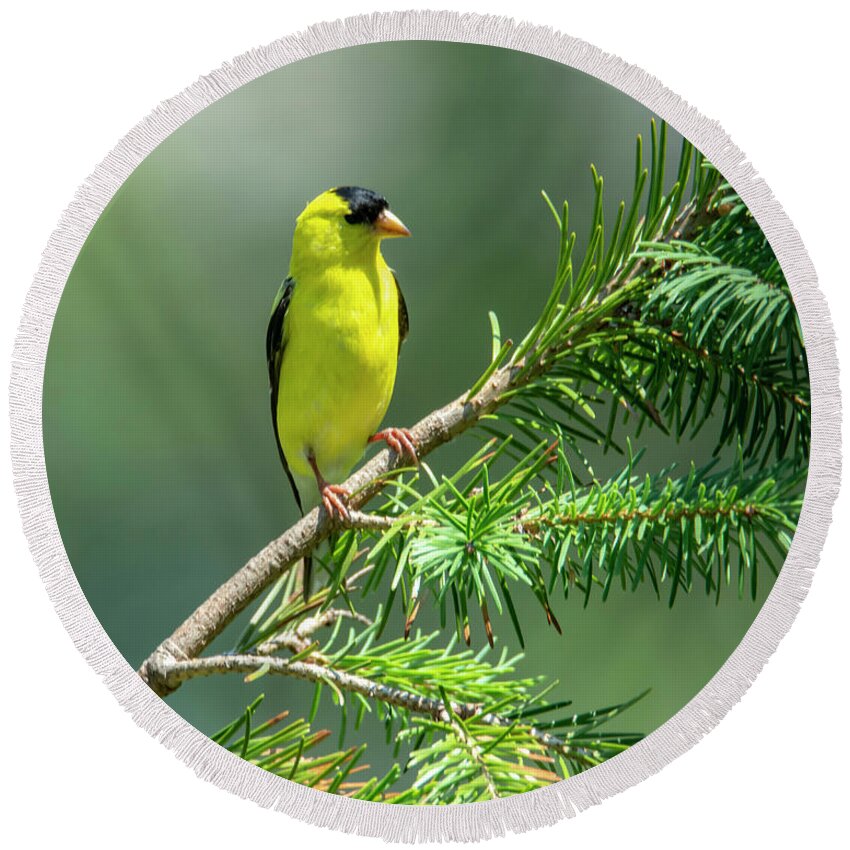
(339, 365)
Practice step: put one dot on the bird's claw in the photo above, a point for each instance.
(400, 440)
(334, 499)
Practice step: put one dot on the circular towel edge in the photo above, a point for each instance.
(468, 822)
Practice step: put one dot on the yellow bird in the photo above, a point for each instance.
(332, 345)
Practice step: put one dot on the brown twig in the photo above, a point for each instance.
(177, 672)
(298, 639)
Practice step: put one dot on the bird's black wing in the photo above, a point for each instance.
(275, 344)
(403, 320)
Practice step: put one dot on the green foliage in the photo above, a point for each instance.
(288, 751)
(729, 331)
(461, 540)
(710, 528)
(675, 317)
(671, 330)
(467, 761)
(515, 741)
(416, 666)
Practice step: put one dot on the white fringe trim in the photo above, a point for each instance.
(468, 822)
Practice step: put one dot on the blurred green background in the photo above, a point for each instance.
(158, 438)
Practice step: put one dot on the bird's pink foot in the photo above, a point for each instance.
(400, 440)
(334, 498)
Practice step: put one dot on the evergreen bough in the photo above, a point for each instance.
(676, 317)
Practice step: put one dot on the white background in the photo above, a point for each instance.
(77, 76)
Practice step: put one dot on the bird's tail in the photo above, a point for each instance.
(310, 498)
(323, 550)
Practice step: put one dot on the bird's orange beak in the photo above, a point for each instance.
(388, 225)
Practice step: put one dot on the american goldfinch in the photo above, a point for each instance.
(332, 345)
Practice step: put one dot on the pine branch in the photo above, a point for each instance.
(467, 761)
(478, 538)
(470, 762)
(678, 304)
(582, 304)
(441, 710)
(713, 318)
(440, 700)
(763, 405)
(457, 760)
(662, 528)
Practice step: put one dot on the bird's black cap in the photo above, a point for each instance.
(364, 205)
